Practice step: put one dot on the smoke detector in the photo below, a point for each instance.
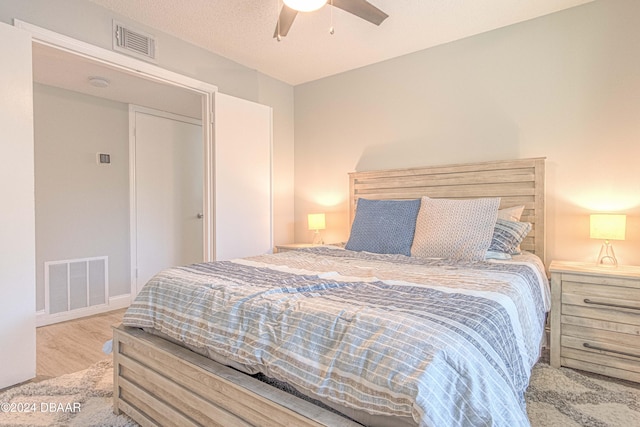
(98, 81)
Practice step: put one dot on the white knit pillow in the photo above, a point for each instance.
(455, 229)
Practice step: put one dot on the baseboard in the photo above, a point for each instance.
(115, 303)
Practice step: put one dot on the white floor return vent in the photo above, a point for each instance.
(75, 284)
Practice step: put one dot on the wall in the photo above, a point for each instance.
(279, 96)
(91, 23)
(82, 209)
(564, 86)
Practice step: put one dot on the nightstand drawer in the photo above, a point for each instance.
(601, 355)
(618, 341)
(579, 308)
(586, 289)
(623, 328)
(611, 303)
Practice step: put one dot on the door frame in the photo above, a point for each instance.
(155, 73)
(133, 208)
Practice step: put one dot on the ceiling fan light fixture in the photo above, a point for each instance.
(305, 5)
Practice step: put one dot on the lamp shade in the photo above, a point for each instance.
(305, 5)
(608, 226)
(316, 221)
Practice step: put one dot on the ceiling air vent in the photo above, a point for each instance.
(133, 42)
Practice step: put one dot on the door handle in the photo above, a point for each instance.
(199, 215)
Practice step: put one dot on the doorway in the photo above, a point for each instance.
(226, 152)
(133, 82)
(166, 176)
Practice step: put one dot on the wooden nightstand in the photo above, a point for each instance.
(293, 247)
(595, 318)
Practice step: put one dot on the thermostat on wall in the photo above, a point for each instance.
(103, 159)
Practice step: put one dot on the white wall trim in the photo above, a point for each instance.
(155, 73)
(115, 303)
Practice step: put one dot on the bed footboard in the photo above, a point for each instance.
(158, 383)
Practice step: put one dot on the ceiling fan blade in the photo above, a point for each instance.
(362, 9)
(285, 20)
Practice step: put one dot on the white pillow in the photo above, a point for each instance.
(455, 229)
(511, 214)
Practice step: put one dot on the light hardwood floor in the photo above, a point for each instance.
(72, 346)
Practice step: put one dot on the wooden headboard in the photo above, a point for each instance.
(516, 182)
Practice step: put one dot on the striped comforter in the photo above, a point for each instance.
(449, 344)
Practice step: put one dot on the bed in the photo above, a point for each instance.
(362, 337)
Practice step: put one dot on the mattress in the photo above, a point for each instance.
(381, 337)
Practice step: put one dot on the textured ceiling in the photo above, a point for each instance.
(242, 30)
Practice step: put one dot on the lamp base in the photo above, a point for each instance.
(317, 238)
(607, 256)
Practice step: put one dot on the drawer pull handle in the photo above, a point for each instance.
(593, 347)
(606, 304)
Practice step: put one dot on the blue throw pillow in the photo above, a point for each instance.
(384, 226)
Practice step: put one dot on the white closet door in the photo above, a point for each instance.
(243, 211)
(169, 179)
(17, 216)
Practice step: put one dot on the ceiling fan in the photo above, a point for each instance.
(360, 8)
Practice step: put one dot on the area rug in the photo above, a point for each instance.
(564, 397)
(555, 398)
(81, 399)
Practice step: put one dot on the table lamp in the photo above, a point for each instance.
(607, 227)
(316, 223)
